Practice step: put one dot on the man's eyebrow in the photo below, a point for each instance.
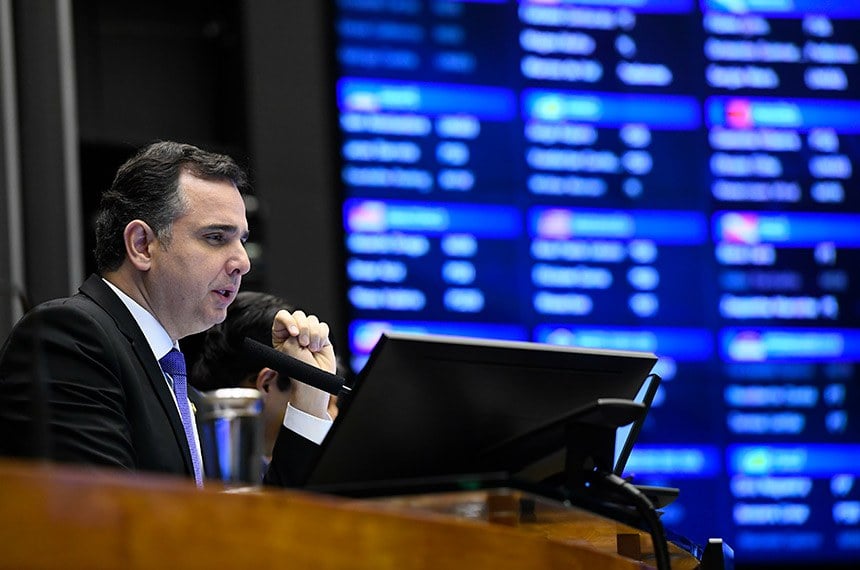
(226, 228)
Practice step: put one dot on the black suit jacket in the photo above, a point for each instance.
(79, 384)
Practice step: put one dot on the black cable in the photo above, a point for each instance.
(646, 510)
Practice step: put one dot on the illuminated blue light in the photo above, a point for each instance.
(778, 307)
(836, 421)
(381, 151)
(783, 514)
(388, 177)
(795, 229)
(848, 540)
(800, 114)
(684, 344)
(363, 334)
(374, 58)
(458, 127)
(387, 298)
(377, 270)
(644, 304)
(448, 34)
(826, 78)
(354, 94)
(547, 42)
(552, 133)
(459, 245)
(584, 70)
(382, 124)
(455, 62)
(773, 488)
(792, 423)
(566, 185)
(771, 191)
(548, 303)
(388, 244)
(841, 485)
(846, 512)
(469, 300)
(432, 218)
(380, 31)
(758, 165)
(790, 345)
(643, 278)
(637, 136)
(661, 226)
(580, 160)
(631, 73)
(678, 462)
(456, 179)
(737, 77)
(813, 460)
(722, 138)
(834, 394)
(830, 166)
(401, 6)
(613, 109)
(782, 540)
(452, 153)
(785, 8)
(651, 6)
(580, 277)
(768, 396)
(579, 250)
(458, 272)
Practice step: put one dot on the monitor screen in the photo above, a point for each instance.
(673, 176)
(428, 406)
(626, 435)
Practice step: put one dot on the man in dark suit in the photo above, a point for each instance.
(86, 379)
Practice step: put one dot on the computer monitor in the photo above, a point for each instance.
(427, 406)
(626, 436)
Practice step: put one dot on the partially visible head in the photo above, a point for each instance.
(220, 363)
(146, 188)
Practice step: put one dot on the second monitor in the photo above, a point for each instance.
(426, 406)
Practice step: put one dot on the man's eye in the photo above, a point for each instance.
(215, 238)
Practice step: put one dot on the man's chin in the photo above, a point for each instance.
(218, 318)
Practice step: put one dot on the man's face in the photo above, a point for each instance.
(195, 276)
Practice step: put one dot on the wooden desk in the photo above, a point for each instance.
(64, 517)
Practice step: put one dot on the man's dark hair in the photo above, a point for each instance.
(146, 188)
(220, 363)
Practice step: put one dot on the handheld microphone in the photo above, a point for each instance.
(287, 365)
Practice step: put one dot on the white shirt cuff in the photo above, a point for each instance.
(308, 426)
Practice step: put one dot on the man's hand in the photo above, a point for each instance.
(306, 338)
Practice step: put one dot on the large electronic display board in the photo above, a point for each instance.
(673, 176)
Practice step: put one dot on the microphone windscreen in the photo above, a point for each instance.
(293, 367)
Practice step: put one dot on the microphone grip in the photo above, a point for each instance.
(267, 356)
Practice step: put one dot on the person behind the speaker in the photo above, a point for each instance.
(220, 363)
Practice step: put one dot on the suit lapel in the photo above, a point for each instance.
(102, 295)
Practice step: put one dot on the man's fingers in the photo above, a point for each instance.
(308, 330)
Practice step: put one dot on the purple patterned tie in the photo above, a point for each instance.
(173, 363)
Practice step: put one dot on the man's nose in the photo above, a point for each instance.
(240, 262)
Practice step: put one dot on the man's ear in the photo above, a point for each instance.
(266, 380)
(139, 238)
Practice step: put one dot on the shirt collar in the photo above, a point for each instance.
(159, 341)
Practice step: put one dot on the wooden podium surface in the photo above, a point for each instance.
(68, 517)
